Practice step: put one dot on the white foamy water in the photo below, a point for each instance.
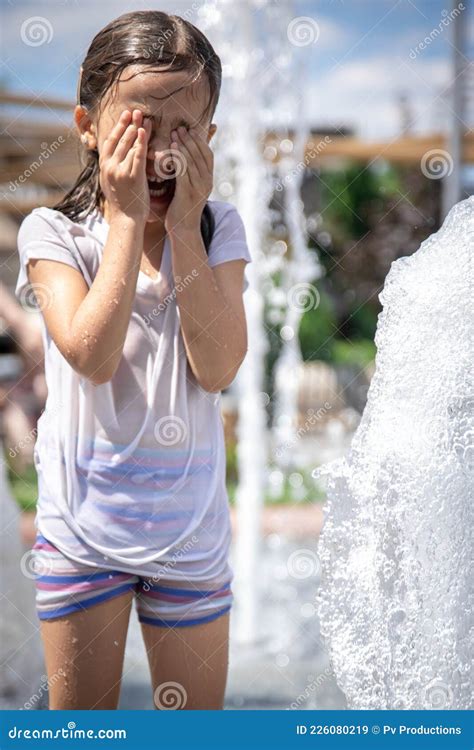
(396, 549)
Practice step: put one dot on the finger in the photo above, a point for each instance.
(178, 157)
(192, 173)
(204, 148)
(137, 117)
(191, 148)
(125, 143)
(118, 130)
(138, 154)
(129, 158)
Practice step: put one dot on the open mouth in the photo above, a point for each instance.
(161, 189)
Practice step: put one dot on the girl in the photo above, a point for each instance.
(139, 280)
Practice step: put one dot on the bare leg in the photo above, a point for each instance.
(194, 658)
(84, 655)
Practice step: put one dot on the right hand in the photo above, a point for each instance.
(122, 164)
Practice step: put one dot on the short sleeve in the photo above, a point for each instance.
(41, 235)
(229, 241)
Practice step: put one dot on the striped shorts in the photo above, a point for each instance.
(64, 586)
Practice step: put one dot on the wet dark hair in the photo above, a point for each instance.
(150, 38)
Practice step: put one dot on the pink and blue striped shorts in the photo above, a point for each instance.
(64, 586)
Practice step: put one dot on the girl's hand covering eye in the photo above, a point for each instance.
(122, 164)
(194, 167)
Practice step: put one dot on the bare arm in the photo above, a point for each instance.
(211, 311)
(89, 325)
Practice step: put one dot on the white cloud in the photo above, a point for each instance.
(364, 94)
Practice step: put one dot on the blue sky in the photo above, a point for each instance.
(362, 59)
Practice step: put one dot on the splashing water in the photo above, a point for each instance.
(396, 595)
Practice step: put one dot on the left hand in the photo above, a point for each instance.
(194, 166)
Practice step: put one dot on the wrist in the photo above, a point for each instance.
(184, 228)
(127, 221)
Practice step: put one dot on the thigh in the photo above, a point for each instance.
(188, 664)
(84, 654)
(84, 613)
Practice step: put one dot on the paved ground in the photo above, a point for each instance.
(287, 666)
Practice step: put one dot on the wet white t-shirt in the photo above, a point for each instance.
(132, 472)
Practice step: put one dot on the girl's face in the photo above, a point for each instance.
(168, 100)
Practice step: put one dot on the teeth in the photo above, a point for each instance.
(157, 193)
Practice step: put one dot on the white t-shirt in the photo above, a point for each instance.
(132, 472)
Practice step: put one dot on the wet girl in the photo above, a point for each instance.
(139, 279)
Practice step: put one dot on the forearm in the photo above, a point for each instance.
(100, 323)
(214, 339)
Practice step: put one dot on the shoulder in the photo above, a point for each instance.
(225, 213)
(229, 227)
(41, 220)
(229, 241)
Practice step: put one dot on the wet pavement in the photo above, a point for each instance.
(286, 667)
